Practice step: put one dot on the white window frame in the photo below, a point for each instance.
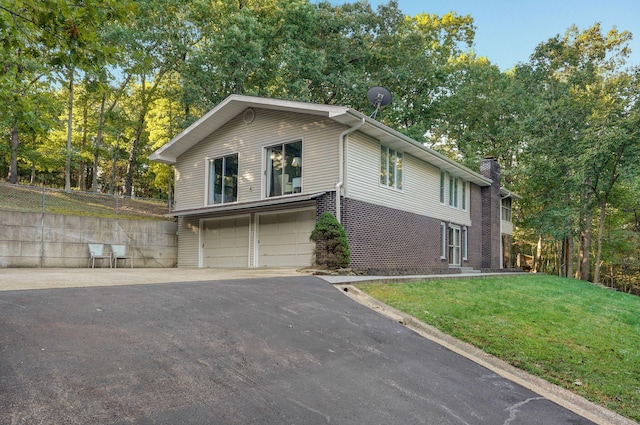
(208, 170)
(295, 181)
(453, 191)
(506, 210)
(443, 241)
(464, 242)
(454, 245)
(392, 169)
(463, 195)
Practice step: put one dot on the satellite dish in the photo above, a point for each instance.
(378, 96)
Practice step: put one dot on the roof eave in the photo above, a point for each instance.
(420, 151)
(225, 110)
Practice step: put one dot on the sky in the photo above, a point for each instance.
(507, 31)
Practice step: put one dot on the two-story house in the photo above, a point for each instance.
(253, 175)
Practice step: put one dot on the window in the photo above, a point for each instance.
(454, 245)
(443, 241)
(506, 209)
(463, 197)
(284, 169)
(453, 191)
(456, 193)
(391, 164)
(464, 242)
(223, 180)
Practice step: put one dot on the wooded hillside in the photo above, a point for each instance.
(88, 89)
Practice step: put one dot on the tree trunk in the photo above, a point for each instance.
(596, 273)
(13, 167)
(133, 154)
(566, 257)
(32, 180)
(67, 168)
(585, 248)
(538, 260)
(112, 184)
(96, 147)
(82, 172)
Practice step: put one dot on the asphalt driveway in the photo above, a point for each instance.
(290, 350)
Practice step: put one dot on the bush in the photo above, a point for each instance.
(332, 245)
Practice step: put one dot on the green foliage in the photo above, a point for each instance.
(563, 125)
(333, 251)
(574, 334)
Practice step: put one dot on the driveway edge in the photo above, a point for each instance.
(558, 395)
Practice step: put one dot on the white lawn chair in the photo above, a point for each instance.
(119, 252)
(96, 251)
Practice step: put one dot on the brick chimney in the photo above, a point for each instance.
(491, 207)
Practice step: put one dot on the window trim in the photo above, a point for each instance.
(266, 172)
(453, 191)
(443, 241)
(463, 195)
(464, 242)
(506, 210)
(207, 182)
(452, 247)
(398, 174)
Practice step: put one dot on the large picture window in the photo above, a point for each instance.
(284, 169)
(391, 168)
(223, 180)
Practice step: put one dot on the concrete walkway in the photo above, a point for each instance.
(26, 279)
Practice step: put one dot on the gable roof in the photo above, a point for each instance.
(236, 104)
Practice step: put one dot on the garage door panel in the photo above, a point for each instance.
(225, 242)
(284, 239)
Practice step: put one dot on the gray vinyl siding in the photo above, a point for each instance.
(189, 242)
(421, 187)
(320, 155)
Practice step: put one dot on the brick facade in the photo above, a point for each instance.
(387, 238)
(491, 206)
(326, 202)
(390, 240)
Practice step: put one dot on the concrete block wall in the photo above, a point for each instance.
(54, 240)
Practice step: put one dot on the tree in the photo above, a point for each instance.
(567, 77)
(154, 45)
(332, 248)
(21, 73)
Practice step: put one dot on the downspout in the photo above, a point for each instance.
(340, 183)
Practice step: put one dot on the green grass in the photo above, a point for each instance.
(574, 334)
(30, 199)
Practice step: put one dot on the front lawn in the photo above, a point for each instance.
(574, 334)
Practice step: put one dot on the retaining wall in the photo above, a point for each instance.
(55, 240)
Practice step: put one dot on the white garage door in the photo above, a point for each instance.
(225, 242)
(283, 238)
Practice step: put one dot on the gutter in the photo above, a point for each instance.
(340, 183)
